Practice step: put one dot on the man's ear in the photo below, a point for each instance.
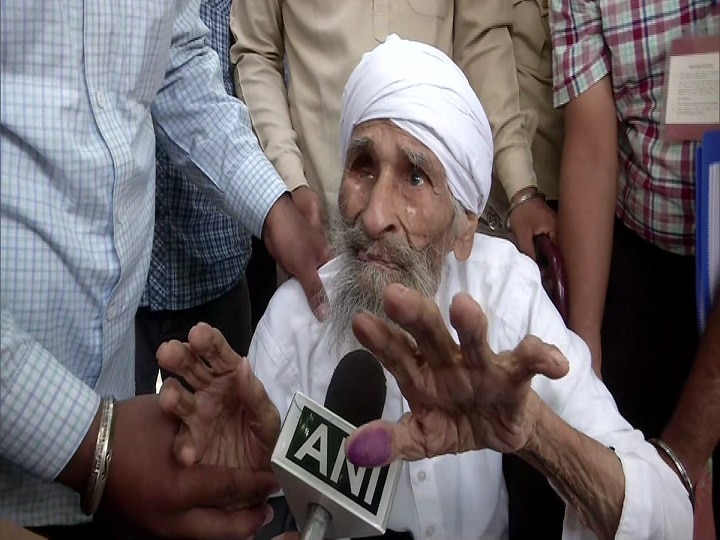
(464, 239)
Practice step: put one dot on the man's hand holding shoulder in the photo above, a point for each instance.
(298, 248)
(309, 205)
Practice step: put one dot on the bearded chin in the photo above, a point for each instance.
(360, 286)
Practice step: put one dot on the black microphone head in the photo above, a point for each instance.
(357, 388)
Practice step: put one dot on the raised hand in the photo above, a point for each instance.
(462, 397)
(229, 420)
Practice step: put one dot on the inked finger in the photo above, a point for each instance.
(380, 443)
(178, 359)
(421, 318)
(210, 345)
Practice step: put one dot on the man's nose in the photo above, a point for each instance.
(380, 215)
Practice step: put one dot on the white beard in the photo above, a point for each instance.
(359, 286)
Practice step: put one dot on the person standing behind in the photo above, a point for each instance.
(86, 89)
(627, 217)
(532, 49)
(199, 253)
(294, 57)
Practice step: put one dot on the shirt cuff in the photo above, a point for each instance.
(46, 411)
(291, 171)
(514, 169)
(656, 504)
(256, 176)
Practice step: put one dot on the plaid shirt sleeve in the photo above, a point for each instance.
(580, 57)
(196, 121)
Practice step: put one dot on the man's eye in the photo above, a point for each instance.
(417, 178)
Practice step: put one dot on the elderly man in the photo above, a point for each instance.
(417, 150)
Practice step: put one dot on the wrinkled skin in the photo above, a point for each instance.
(462, 397)
(229, 420)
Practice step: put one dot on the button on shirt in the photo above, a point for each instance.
(464, 496)
(82, 84)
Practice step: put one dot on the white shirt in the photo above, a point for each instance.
(464, 496)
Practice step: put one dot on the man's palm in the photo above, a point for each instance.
(229, 420)
(461, 397)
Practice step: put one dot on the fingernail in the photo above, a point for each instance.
(559, 358)
(371, 448)
(268, 515)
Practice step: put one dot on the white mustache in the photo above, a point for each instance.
(359, 286)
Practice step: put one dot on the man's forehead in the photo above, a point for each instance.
(372, 137)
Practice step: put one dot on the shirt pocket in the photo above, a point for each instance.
(531, 36)
(433, 8)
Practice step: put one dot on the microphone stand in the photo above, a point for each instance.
(316, 522)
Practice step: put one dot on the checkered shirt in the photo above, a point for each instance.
(629, 40)
(199, 252)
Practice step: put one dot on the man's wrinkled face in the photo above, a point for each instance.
(395, 187)
(395, 224)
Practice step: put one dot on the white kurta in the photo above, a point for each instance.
(464, 496)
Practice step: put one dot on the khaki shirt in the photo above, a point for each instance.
(298, 124)
(533, 63)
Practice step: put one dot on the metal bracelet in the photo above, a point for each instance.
(534, 193)
(679, 467)
(90, 500)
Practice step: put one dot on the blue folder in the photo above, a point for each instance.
(707, 232)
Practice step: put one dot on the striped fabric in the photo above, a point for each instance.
(82, 85)
(199, 252)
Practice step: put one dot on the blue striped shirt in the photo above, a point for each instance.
(199, 252)
(83, 84)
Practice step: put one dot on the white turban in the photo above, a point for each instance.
(425, 94)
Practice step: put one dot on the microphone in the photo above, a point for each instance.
(328, 496)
